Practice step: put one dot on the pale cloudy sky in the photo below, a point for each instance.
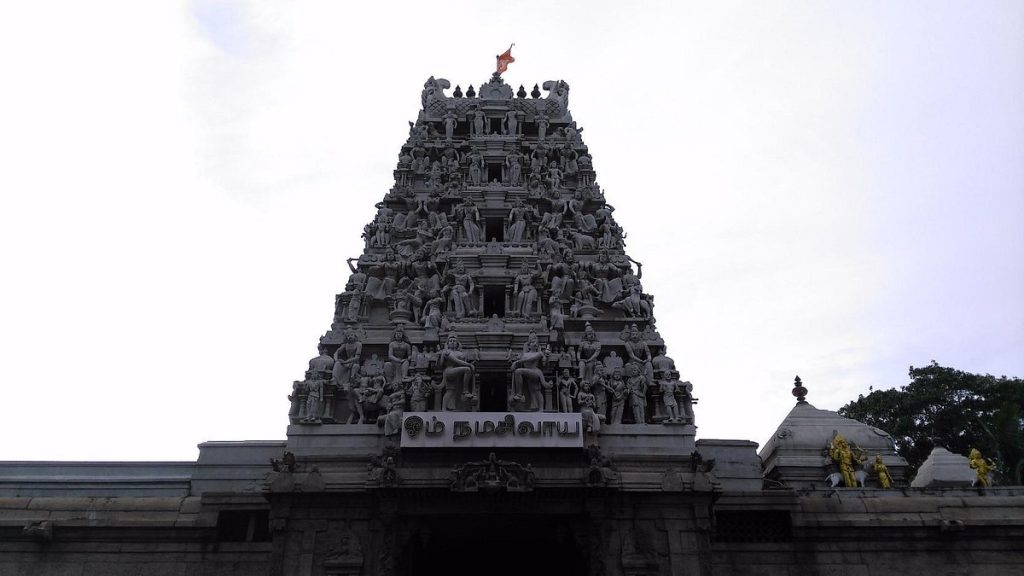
(830, 189)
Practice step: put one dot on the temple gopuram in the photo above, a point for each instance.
(493, 397)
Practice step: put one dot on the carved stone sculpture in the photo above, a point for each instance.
(457, 374)
(528, 381)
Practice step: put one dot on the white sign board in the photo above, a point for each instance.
(492, 430)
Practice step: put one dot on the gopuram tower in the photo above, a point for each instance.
(493, 372)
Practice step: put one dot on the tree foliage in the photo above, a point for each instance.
(953, 409)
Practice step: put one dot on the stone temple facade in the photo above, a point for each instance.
(493, 396)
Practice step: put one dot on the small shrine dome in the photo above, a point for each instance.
(796, 455)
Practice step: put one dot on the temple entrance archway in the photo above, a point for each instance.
(496, 546)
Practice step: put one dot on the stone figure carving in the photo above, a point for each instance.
(589, 350)
(567, 390)
(492, 475)
(588, 408)
(661, 363)
(469, 215)
(669, 388)
(460, 289)
(477, 168)
(639, 352)
(634, 304)
(514, 169)
(561, 277)
(617, 388)
(419, 391)
(314, 401)
(479, 122)
(554, 177)
(525, 291)
(568, 155)
(598, 386)
(543, 122)
(433, 310)
(636, 386)
(346, 359)
(322, 366)
(396, 369)
(450, 122)
(457, 374)
(518, 218)
(612, 361)
(510, 125)
(383, 276)
(526, 372)
(396, 408)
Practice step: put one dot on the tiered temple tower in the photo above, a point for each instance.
(494, 337)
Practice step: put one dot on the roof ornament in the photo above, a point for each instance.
(799, 391)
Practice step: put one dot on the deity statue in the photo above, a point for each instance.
(567, 390)
(612, 361)
(461, 290)
(396, 369)
(588, 407)
(554, 176)
(543, 122)
(346, 359)
(526, 370)
(322, 366)
(640, 353)
(457, 374)
(669, 387)
(469, 215)
(450, 122)
(561, 277)
(518, 218)
(384, 276)
(599, 387)
(568, 156)
(661, 363)
(589, 350)
(524, 290)
(477, 168)
(356, 392)
(514, 168)
(607, 276)
(396, 409)
(636, 386)
(510, 125)
(884, 478)
(419, 391)
(314, 401)
(982, 468)
(617, 386)
(433, 310)
(479, 122)
(843, 456)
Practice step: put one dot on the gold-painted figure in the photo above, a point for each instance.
(845, 457)
(883, 472)
(981, 466)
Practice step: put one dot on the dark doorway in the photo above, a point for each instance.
(496, 546)
(495, 125)
(494, 301)
(493, 391)
(495, 229)
(493, 173)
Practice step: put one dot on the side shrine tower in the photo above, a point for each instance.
(493, 383)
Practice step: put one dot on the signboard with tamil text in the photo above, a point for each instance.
(492, 430)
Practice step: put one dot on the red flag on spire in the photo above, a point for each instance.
(505, 59)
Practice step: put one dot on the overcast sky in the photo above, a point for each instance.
(831, 189)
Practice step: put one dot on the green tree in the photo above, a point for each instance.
(954, 409)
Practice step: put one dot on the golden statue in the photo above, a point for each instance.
(981, 466)
(883, 472)
(845, 457)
